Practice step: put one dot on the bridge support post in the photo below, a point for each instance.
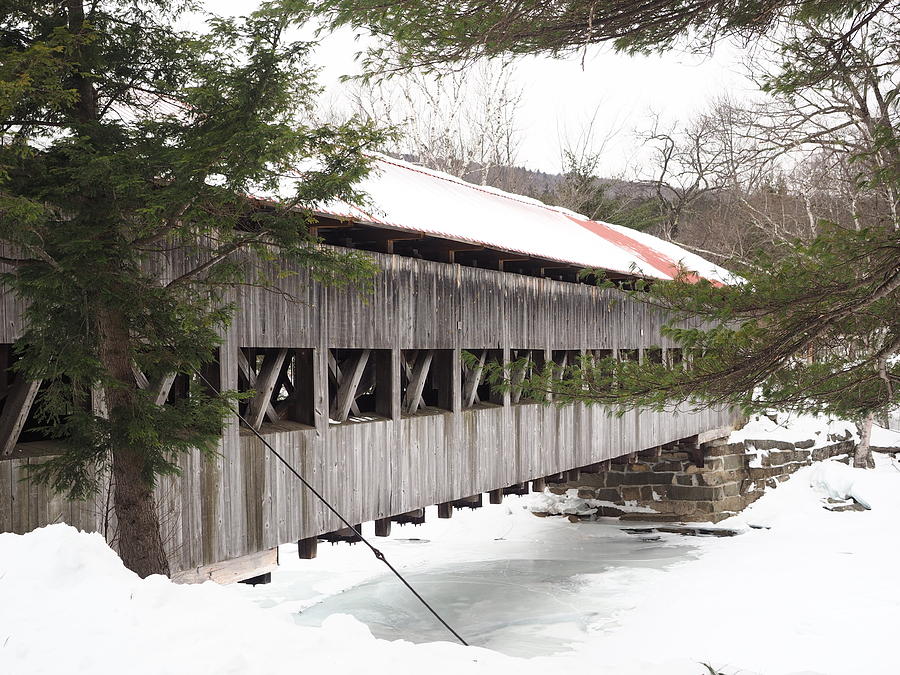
(383, 527)
(538, 485)
(307, 548)
(445, 510)
(496, 496)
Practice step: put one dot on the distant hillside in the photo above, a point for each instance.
(537, 184)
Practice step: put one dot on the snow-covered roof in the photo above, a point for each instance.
(409, 197)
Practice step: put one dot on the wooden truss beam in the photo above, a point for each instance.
(442, 250)
(250, 374)
(337, 374)
(414, 517)
(471, 380)
(473, 502)
(19, 399)
(516, 489)
(160, 387)
(515, 380)
(349, 385)
(261, 403)
(417, 374)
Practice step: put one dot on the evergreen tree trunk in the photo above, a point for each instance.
(139, 541)
(862, 456)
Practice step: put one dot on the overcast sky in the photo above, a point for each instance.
(560, 97)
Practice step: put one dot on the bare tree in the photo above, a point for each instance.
(462, 122)
(819, 152)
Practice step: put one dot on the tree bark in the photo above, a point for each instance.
(139, 541)
(862, 456)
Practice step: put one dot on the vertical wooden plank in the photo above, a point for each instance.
(6, 495)
(19, 398)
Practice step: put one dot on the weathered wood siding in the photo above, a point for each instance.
(243, 501)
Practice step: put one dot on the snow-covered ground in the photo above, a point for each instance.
(809, 591)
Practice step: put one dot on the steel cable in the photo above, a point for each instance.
(375, 551)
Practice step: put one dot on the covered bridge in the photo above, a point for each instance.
(368, 396)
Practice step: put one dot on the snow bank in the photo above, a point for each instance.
(570, 504)
(70, 606)
(841, 481)
(885, 438)
(793, 428)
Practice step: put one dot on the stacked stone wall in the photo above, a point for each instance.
(695, 483)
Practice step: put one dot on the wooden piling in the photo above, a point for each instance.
(383, 527)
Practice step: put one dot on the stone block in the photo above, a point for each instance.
(661, 491)
(724, 449)
(639, 467)
(764, 472)
(608, 494)
(684, 508)
(733, 462)
(650, 454)
(631, 493)
(840, 448)
(557, 489)
(777, 457)
(751, 497)
(685, 479)
(719, 477)
(590, 480)
(650, 478)
(714, 464)
(696, 492)
(732, 489)
(768, 444)
(650, 517)
(670, 466)
(586, 493)
(734, 503)
(647, 493)
(673, 456)
(615, 478)
(805, 445)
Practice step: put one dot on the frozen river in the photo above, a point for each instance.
(505, 580)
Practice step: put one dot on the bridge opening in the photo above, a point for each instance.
(426, 380)
(654, 355)
(359, 385)
(476, 390)
(524, 363)
(282, 381)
